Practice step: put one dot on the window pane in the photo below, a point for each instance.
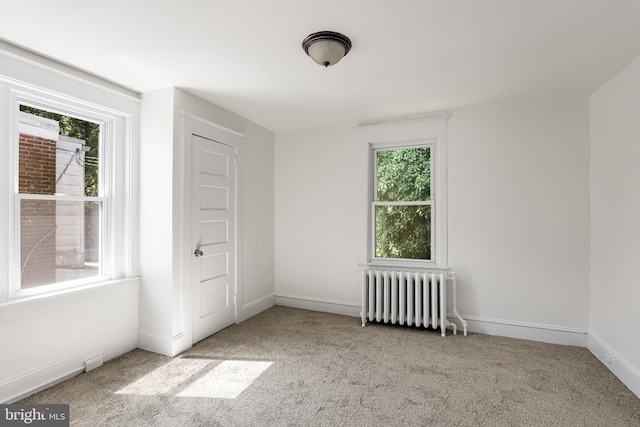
(59, 241)
(58, 154)
(403, 232)
(403, 175)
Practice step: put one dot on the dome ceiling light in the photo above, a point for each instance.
(326, 47)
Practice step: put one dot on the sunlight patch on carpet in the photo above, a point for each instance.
(227, 380)
(165, 378)
(194, 377)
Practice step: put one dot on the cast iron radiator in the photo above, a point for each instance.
(409, 297)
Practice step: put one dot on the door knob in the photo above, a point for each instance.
(198, 253)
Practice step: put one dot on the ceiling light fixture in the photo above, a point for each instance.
(326, 47)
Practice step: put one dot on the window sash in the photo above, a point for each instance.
(376, 149)
(27, 196)
(414, 203)
(17, 290)
(106, 230)
(376, 203)
(372, 231)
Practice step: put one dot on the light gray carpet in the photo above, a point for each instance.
(289, 367)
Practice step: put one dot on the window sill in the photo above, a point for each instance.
(80, 291)
(402, 265)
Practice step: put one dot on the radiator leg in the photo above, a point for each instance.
(363, 313)
(451, 325)
(444, 322)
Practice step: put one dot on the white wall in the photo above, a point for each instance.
(615, 225)
(257, 241)
(165, 302)
(320, 204)
(156, 218)
(47, 339)
(518, 219)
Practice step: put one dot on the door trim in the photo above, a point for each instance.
(191, 125)
(210, 130)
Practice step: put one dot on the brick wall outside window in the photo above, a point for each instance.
(37, 169)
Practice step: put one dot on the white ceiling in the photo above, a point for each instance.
(409, 57)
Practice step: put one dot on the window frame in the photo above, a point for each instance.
(431, 132)
(376, 148)
(114, 132)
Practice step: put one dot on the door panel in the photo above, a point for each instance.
(213, 233)
(214, 198)
(214, 297)
(214, 164)
(214, 266)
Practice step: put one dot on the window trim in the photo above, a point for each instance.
(430, 132)
(114, 176)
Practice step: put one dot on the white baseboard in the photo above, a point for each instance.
(527, 331)
(619, 365)
(256, 306)
(173, 345)
(32, 382)
(162, 344)
(317, 304)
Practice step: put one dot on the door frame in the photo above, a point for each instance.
(190, 125)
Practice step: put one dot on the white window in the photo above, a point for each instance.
(68, 164)
(401, 210)
(407, 193)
